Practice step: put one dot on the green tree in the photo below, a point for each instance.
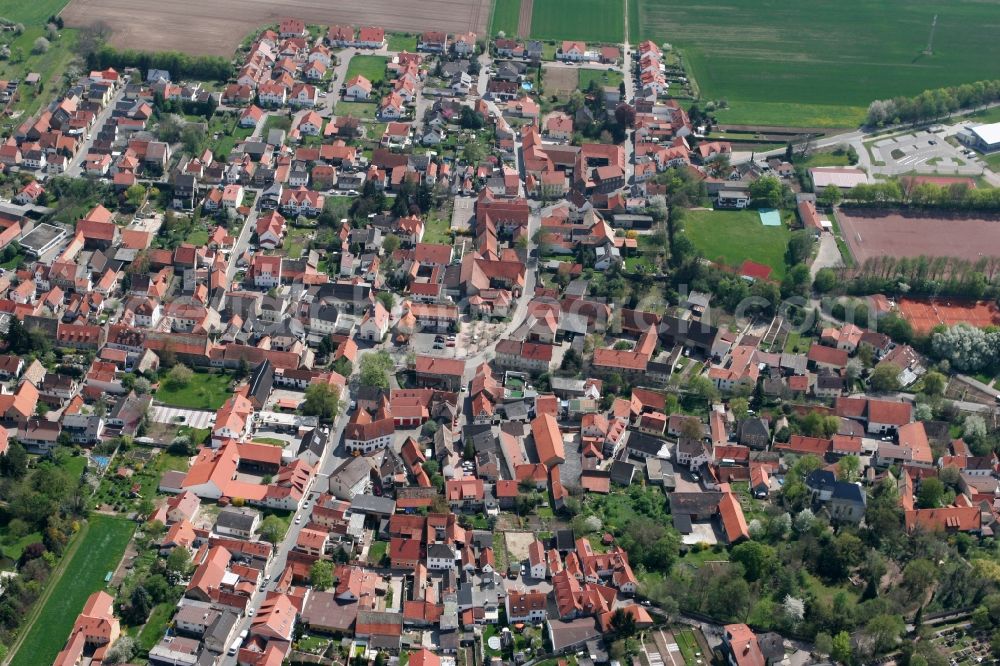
(830, 196)
(931, 493)
(766, 192)
(826, 280)
(757, 559)
(375, 370)
(740, 408)
(824, 643)
(848, 468)
(390, 243)
(884, 631)
(272, 529)
(885, 378)
(178, 377)
(934, 383)
(321, 575)
(386, 299)
(981, 618)
(623, 623)
(841, 648)
(323, 401)
(179, 562)
(135, 195)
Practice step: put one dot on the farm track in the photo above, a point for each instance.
(524, 19)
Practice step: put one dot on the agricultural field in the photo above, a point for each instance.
(732, 236)
(587, 20)
(217, 28)
(36, 12)
(821, 63)
(505, 17)
(98, 550)
(369, 66)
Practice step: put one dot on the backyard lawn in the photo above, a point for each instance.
(369, 66)
(362, 110)
(377, 551)
(438, 230)
(206, 390)
(603, 78)
(229, 133)
(401, 41)
(100, 548)
(732, 236)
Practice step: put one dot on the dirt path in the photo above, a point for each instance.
(524, 20)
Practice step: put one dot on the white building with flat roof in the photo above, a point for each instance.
(982, 137)
(843, 177)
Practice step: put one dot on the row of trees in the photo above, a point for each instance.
(893, 193)
(180, 65)
(887, 275)
(931, 104)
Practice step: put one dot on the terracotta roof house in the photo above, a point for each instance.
(548, 440)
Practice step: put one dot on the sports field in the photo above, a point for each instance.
(99, 551)
(505, 16)
(873, 234)
(731, 237)
(586, 20)
(821, 63)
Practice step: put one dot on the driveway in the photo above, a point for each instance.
(827, 256)
(195, 418)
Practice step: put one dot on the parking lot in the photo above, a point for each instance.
(924, 152)
(177, 416)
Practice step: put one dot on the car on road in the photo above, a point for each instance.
(450, 343)
(438, 338)
(250, 612)
(298, 520)
(438, 346)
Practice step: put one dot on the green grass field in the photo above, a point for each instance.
(398, 41)
(587, 20)
(369, 66)
(603, 78)
(732, 236)
(100, 551)
(362, 110)
(506, 14)
(30, 12)
(204, 391)
(50, 65)
(830, 57)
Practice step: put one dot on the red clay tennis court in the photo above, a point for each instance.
(924, 315)
(872, 234)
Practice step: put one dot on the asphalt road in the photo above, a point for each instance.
(332, 458)
(75, 168)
